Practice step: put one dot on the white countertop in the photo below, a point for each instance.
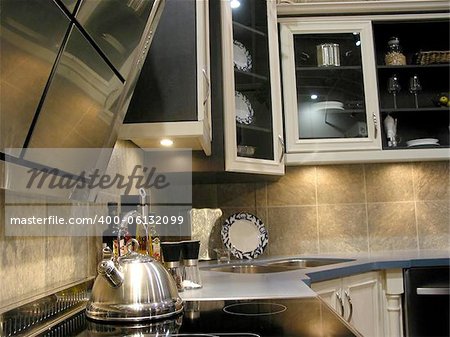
(294, 284)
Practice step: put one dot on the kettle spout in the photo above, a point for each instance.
(108, 270)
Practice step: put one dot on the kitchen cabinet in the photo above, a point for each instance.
(352, 129)
(358, 299)
(330, 100)
(253, 131)
(173, 94)
(420, 82)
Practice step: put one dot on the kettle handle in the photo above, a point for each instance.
(130, 243)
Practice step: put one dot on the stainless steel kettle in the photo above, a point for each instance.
(133, 287)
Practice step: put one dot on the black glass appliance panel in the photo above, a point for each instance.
(302, 317)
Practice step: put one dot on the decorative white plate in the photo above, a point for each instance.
(244, 235)
(422, 141)
(244, 110)
(336, 105)
(241, 57)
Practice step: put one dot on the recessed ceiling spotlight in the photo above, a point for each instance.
(166, 142)
(314, 96)
(358, 43)
(235, 3)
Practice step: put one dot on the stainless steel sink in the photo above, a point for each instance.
(299, 263)
(248, 269)
(275, 266)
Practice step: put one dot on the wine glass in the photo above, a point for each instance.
(414, 88)
(394, 88)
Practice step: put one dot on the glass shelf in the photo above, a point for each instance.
(444, 109)
(415, 66)
(328, 68)
(238, 26)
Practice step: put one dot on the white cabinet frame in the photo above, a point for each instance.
(301, 26)
(233, 162)
(185, 134)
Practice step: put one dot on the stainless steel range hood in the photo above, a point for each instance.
(68, 73)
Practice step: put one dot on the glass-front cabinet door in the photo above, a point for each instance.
(329, 86)
(252, 95)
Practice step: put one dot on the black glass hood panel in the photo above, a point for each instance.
(244, 318)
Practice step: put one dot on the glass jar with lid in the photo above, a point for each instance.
(394, 55)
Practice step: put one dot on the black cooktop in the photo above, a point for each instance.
(242, 318)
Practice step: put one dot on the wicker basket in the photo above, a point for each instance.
(433, 57)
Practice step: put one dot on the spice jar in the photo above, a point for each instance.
(394, 56)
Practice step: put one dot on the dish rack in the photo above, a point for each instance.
(432, 57)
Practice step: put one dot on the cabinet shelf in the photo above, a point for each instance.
(415, 66)
(250, 74)
(416, 147)
(250, 29)
(416, 109)
(328, 68)
(253, 128)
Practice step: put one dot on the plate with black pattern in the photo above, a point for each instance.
(241, 57)
(244, 235)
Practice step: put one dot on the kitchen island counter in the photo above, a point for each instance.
(295, 283)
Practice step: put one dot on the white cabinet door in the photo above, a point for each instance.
(329, 86)
(362, 298)
(251, 88)
(330, 292)
(358, 299)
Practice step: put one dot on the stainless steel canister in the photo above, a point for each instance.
(328, 55)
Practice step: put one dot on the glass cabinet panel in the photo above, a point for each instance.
(254, 134)
(252, 93)
(329, 86)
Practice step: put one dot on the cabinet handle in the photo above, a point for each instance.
(283, 148)
(349, 300)
(209, 86)
(375, 124)
(433, 291)
(341, 303)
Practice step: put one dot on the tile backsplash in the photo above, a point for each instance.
(38, 262)
(312, 209)
(344, 208)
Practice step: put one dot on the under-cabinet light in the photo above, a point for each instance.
(235, 3)
(166, 142)
(314, 96)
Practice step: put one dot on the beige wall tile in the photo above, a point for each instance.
(342, 228)
(22, 266)
(340, 184)
(236, 195)
(392, 226)
(293, 230)
(433, 221)
(297, 187)
(261, 194)
(389, 182)
(432, 180)
(66, 259)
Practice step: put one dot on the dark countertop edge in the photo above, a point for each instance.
(357, 268)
